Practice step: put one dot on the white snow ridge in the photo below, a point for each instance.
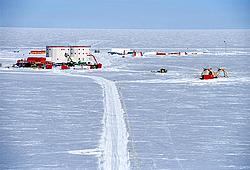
(115, 135)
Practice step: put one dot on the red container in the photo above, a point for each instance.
(207, 77)
(64, 67)
(49, 66)
(38, 52)
(99, 65)
(36, 60)
(161, 53)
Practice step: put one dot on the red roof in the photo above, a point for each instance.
(75, 46)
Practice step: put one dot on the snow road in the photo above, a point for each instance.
(114, 140)
(115, 137)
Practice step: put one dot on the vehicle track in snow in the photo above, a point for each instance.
(114, 139)
(115, 135)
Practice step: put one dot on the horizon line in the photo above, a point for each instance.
(88, 28)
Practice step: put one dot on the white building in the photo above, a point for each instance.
(64, 54)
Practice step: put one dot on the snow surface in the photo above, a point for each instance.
(124, 116)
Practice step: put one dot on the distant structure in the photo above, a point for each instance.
(75, 57)
(65, 54)
(137, 54)
(120, 51)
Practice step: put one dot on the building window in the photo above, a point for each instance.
(71, 53)
(79, 59)
(79, 53)
(75, 53)
(57, 59)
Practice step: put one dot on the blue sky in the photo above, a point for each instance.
(173, 14)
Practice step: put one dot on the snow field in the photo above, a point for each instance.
(44, 127)
(137, 119)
